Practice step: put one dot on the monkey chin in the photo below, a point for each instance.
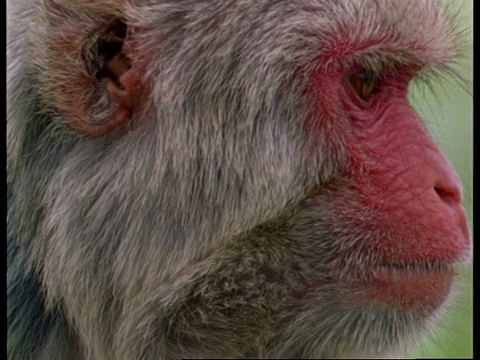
(420, 288)
(394, 354)
(406, 302)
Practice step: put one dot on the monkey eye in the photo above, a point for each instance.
(364, 82)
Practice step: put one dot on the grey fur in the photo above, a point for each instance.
(193, 235)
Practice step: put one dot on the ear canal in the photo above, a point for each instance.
(105, 59)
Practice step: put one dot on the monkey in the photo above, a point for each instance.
(241, 179)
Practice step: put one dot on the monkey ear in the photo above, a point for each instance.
(95, 82)
(115, 78)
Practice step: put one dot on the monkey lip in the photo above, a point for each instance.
(418, 285)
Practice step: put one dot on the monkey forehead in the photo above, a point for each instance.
(292, 34)
(406, 32)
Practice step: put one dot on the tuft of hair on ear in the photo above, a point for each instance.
(83, 62)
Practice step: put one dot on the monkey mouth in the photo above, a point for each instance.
(424, 286)
(419, 267)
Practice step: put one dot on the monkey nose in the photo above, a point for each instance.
(450, 194)
(443, 178)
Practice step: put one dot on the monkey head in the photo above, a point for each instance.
(230, 178)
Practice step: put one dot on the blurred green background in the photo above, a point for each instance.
(447, 108)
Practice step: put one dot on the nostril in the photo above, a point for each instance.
(448, 196)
